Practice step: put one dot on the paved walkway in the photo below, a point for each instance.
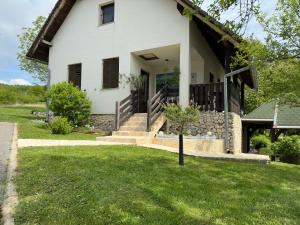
(6, 133)
(22, 143)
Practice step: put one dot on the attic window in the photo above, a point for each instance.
(107, 13)
(149, 57)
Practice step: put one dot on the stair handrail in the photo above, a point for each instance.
(155, 107)
(126, 108)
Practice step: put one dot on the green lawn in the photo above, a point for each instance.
(131, 185)
(31, 130)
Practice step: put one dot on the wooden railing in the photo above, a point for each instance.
(155, 107)
(126, 108)
(210, 97)
(173, 95)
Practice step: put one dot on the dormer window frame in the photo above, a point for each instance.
(101, 13)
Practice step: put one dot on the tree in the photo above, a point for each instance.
(283, 30)
(38, 70)
(245, 10)
(181, 117)
(282, 27)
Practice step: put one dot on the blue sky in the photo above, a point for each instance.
(15, 14)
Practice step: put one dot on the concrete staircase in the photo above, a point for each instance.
(134, 131)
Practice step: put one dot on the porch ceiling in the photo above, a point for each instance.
(166, 55)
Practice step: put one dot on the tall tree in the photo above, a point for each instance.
(277, 57)
(36, 69)
(243, 9)
(283, 30)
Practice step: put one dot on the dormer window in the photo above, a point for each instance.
(107, 13)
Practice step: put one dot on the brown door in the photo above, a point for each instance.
(144, 93)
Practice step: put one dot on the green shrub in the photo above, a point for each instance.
(70, 102)
(7, 96)
(260, 141)
(288, 149)
(12, 94)
(60, 125)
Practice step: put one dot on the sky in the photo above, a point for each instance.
(15, 14)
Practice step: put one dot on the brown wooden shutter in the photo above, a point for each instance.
(75, 74)
(111, 73)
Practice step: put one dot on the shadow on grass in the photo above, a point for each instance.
(128, 185)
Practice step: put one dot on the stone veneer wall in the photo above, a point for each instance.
(209, 122)
(103, 122)
(236, 133)
(214, 122)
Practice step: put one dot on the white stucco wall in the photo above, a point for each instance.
(210, 60)
(139, 25)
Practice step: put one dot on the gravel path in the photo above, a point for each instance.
(6, 132)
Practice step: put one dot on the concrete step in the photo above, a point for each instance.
(126, 140)
(133, 133)
(135, 123)
(141, 115)
(137, 119)
(132, 128)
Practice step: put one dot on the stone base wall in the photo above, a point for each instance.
(236, 133)
(214, 122)
(103, 122)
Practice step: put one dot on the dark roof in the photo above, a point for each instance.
(288, 116)
(285, 117)
(212, 30)
(40, 48)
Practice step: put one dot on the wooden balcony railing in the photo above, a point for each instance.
(210, 97)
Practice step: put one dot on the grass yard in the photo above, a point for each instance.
(132, 185)
(31, 130)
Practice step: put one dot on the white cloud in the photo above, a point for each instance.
(14, 15)
(19, 82)
(3, 82)
(16, 82)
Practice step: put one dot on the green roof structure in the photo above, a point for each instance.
(281, 116)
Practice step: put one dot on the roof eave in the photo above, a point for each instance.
(40, 39)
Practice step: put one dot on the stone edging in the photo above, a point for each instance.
(11, 198)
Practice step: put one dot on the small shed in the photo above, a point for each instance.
(278, 118)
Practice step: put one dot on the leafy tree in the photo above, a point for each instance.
(37, 69)
(283, 30)
(181, 117)
(245, 10)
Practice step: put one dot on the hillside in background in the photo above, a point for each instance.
(17, 94)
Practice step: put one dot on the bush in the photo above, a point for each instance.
(60, 125)
(12, 94)
(7, 96)
(260, 141)
(70, 102)
(288, 149)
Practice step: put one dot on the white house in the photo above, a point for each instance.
(91, 42)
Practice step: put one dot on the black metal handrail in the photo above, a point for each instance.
(155, 107)
(125, 109)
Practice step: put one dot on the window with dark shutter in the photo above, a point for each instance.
(108, 13)
(111, 73)
(75, 74)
